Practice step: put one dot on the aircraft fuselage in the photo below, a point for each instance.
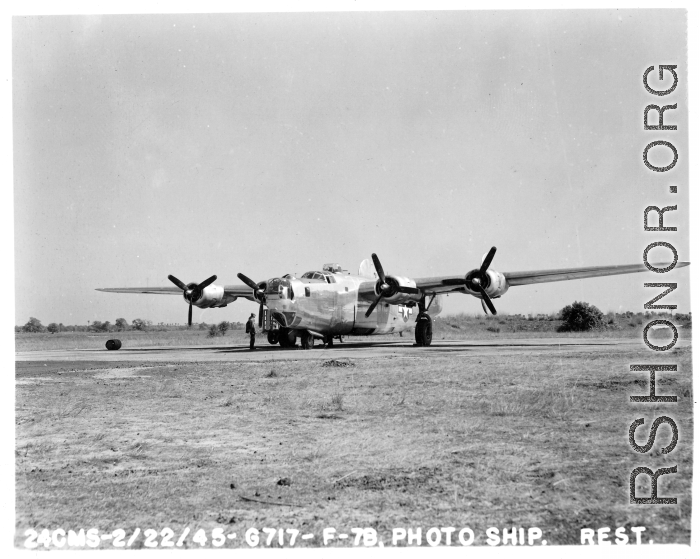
(337, 308)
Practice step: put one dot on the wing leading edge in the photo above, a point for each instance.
(545, 276)
(230, 291)
(446, 284)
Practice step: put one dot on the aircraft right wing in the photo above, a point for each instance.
(230, 292)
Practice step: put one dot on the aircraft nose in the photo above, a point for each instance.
(272, 287)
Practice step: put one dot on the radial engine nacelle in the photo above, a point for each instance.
(496, 283)
(393, 295)
(211, 296)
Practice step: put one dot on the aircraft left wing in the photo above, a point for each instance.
(487, 284)
(446, 284)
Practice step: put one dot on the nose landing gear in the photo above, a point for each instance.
(287, 337)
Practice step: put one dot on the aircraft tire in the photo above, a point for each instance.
(113, 345)
(273, 337)
(287, 337)
(328, 340)
(307, 340)
(424, 330)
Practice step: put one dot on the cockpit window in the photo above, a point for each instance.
(318, 276)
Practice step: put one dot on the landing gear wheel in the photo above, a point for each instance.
(424, 330)
(328, 340)
(273, 337)
(307, 340)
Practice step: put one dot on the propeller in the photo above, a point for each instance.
(192, 292)
(258, 293)
(477, 281)
(387, 288)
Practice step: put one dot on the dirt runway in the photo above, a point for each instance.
(351, 349)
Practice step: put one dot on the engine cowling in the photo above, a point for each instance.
(211, 296)
(394, 296)
(496, 284)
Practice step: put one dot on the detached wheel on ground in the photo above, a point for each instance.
(307, 340)
(113, 345)
(424, 330)
(273, 337)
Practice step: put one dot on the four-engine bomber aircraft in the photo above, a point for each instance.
(334, 303)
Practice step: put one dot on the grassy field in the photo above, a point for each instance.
(449, 327)
(536, 439)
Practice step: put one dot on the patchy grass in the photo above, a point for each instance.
(436, 440)
(450, 327)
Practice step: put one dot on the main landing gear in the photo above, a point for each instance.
(307, 340)
(287, 338)
(424, 329)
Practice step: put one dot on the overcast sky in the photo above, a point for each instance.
(266, 144)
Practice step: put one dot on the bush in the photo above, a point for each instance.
(98, 326)
(140, 324)
(34, 325)
(581, 317)
(219, 330)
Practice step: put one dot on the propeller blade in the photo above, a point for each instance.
(178, 283)
(483, 306)
(372, 306)
(487, 261)
(378, 267)
(189, 315)
(486, 299)
(410, 290)
(249, 282)
(206, 283)
(260, 313)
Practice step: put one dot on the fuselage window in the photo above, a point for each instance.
(307, 292)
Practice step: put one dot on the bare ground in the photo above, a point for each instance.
(431, 440)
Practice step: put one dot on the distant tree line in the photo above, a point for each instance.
(34, 325)
(578, 316)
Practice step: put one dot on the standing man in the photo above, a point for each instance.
(250, 329)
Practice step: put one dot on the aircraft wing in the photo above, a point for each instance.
(231, 292)
(150, 290)
(545, 276)
(446, 284)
